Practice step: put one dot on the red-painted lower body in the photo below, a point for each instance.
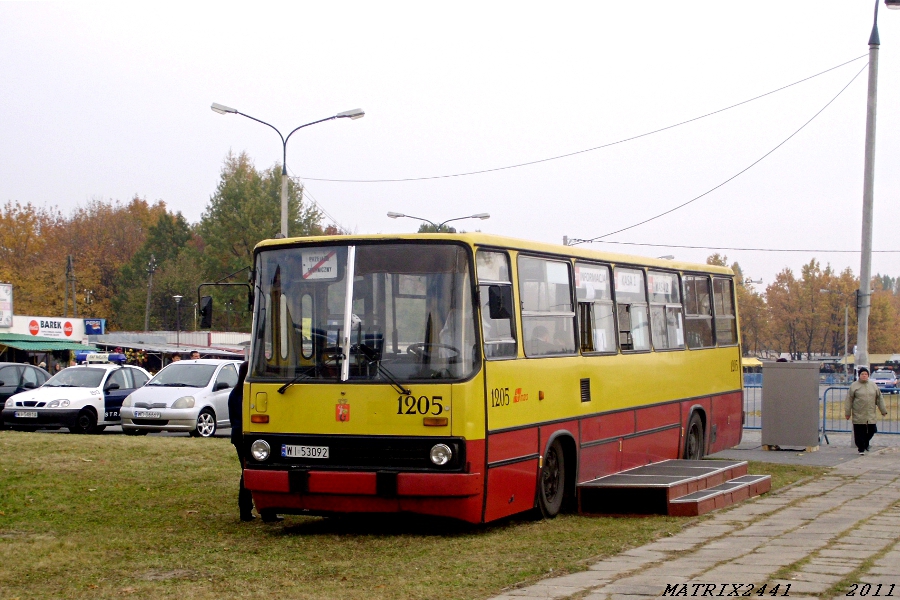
(455, 495)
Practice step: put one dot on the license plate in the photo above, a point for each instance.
(289, 451)
(26, 414)
(146, 414)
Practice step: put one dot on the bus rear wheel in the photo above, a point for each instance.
(552, 483)
(693, 441)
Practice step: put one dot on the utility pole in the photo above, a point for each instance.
(151, 267)
(70, 282)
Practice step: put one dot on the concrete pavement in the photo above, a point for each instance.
(813, 536)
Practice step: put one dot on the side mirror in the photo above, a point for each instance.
(206, 310)
(28, 385)
(221, 385)
(500, 301)
(2, 383)
(112, 386)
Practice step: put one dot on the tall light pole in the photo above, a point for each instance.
(355, 113)
(178, 320)
(865, 268)
(438, 226)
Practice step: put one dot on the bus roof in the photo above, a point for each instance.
(484, 239)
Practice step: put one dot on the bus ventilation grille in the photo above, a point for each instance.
(586, 390)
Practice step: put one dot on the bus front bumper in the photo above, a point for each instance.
(383, 484)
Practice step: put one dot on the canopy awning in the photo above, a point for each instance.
(31, 343)
(750, 361)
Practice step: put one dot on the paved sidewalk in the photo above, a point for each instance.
(810, 536)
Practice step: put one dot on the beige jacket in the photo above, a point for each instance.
(861, 401)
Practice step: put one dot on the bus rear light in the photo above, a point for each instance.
(435, 421)
(259, 418)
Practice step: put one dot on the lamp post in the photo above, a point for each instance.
(438, 226)
(178, 320)
(355, 113)
(865, 268)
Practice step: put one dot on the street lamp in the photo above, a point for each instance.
(846, 322)
(355, 113)
(178, 320)
(865, 268)
(437, 226)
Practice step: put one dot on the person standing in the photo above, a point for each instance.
(862, 398)
(236, 416)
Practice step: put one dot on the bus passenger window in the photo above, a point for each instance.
(726, 324)
(666, 319)
(698, 324)
(631, 308)
(497, 309)
(548, 316)
(595, 308)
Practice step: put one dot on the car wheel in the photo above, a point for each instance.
(693, 442)
(86, 422)
(206, 424)
(552, 483)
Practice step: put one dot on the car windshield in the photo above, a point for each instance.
(75, 377)
(406, 315)
(883, 375)
(184, 375)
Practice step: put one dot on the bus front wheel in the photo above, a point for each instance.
(693, 441)
(552, 484)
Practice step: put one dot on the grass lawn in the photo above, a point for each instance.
(108, 516)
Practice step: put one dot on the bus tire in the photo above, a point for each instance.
(206, 424)
(693, 439)
(552, 481)
(86, 422)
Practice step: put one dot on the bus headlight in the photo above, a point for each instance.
(260, 450)
(441, 454)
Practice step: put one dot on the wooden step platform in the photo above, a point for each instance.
(672, 487)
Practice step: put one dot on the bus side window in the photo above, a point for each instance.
(596, 319)
(666, 319)
(497, 307)
(631, 310)
(548, 315)
(698, 323)
(726, 323)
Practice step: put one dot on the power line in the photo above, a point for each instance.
(567, 155)
(318, 205)
(741, 172)
(746, 249)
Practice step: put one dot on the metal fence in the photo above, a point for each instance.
(833, 418)
(831, 410)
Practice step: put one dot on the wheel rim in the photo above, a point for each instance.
(84, 421)
(551, 476)
(206, 424)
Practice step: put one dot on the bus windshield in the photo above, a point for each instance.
(411, 313)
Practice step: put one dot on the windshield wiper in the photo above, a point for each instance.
(394, 383)
(302, 375)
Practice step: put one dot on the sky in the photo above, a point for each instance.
(112, 100)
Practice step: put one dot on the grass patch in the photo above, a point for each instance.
(156, 517)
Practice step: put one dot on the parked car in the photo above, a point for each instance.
(16, 378)
(86, 399)
(188, 395)
(886, 380)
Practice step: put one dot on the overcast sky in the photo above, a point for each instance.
(112, 100)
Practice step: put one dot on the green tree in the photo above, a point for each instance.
(246, 209)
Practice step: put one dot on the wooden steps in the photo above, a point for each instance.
(672, 487)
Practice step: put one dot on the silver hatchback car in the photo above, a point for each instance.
(188, 395)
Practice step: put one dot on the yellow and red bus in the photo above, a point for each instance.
(475, 376)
